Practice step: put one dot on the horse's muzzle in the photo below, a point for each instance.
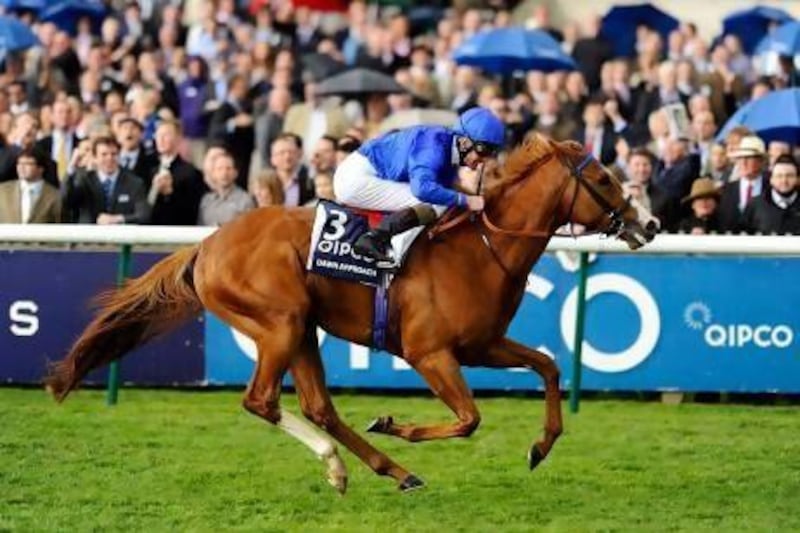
(637, 235)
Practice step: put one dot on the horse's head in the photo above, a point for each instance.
(565, 185)
(593, 197)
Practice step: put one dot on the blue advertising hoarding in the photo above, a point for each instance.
(45, 303)
(653, 323)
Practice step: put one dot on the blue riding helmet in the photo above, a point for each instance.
(481, 126)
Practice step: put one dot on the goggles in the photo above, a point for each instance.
(485, 149)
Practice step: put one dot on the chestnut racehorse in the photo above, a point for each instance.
(449, 307)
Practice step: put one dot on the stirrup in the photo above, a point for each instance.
(388, 265)
(373, 246)
(383, 261)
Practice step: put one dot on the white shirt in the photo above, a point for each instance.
(165, 161)
(29, 195)
(782, 201)
(18, 109)
(128, 159)
(317, 127)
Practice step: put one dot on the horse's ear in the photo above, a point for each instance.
(570, 146)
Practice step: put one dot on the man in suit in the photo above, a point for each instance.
(312, 119)
(22, 137)
(597, 135)
(62, 141)
(750, 160)
(286, 159)
(679, 168)
(133, 155)
(176, 186)
(664, 92)
(232, 124)
(591, 51)
(639, 184)
(29, 200)
(724, 87)
(549, 119)
(108, 194)
(269, 123)
(777, 211)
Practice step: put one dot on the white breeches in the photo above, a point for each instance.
(356, 183)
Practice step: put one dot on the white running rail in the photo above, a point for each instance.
(171, 235)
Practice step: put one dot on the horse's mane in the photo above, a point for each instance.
(523, 159)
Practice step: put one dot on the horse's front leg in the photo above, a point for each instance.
(509, 354)
(442, 372)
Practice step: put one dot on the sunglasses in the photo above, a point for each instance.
(485, 149)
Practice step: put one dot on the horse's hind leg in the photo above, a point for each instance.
(276, 344)
(315, 401)
(509, 354)
(443, 373)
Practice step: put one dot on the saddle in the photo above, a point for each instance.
(336, 228)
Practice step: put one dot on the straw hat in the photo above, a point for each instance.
(749, 146)
(702, 188)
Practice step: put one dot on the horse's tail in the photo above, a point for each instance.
(128, 317)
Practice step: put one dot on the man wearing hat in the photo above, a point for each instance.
(750, 159)
(703, 200)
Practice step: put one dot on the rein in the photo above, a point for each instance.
(450, 220)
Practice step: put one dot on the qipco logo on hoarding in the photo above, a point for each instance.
(698, 316)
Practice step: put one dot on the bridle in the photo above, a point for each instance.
(615, 214)
(616, 221)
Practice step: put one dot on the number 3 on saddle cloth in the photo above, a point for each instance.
(336, 228)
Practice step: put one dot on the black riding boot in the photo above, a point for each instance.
(375, 242)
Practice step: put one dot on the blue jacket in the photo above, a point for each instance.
(421, 156)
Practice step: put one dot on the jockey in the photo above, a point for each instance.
(407, 172)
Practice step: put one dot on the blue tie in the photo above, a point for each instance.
(107, 189)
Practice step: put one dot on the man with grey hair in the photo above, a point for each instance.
(269, 123)
(226, 200)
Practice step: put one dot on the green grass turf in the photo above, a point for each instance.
(194, 461)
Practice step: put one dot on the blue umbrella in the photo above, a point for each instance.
(774, 117)
(18, 5)
(751, 25)
(66, 13)
(504, 50)
(620, 23)
(15, 36)
(785, 40)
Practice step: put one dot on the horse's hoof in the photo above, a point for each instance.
(380, 424)
(337, 472)
(339, 483)
(411, 482)
(535, 456)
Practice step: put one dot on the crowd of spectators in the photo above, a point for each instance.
(192, 112)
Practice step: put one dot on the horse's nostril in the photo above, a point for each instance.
(651, 226)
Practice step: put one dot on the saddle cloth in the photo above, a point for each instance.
(336, 228)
